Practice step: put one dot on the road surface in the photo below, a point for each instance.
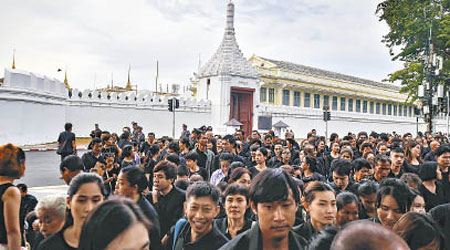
(42, 173)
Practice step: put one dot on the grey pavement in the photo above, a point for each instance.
(42, 173)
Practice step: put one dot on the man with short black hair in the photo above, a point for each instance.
(66, 142)
(201, 207)
(27, 203)
(166, 198)
(205, 157)
(93, 156)
(361, 169)
(274, 198)
(276, 159)
(70, 167)
(397, 159)
(341, 177)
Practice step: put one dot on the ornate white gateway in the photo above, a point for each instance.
(230, 82)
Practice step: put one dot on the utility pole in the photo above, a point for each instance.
(326, 118)
(173, 104)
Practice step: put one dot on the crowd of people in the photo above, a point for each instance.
(236, 191)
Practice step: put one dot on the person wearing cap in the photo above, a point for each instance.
(12, 166)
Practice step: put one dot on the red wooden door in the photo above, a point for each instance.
(241, 107)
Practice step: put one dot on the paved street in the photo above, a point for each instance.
(42, 173)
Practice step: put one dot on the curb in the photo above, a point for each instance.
(48, 149)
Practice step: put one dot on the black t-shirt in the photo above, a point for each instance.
(55, 241)
(169, 208)
(65, 139)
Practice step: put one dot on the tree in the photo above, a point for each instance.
(414, 25)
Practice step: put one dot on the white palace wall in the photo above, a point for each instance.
(34, 108)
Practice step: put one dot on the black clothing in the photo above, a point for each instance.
(55, 241)
(323, 165)
(315, 177)
(306, 230)
(222, 225)
(254, 171)
(3, 236)
(37, 239)
(150, 212)
(201, 171)
(274, 162)
(27, 204)
(433, 200)
(252, 240)
(65, 139)
(169, 208)
(351, 187)
(211, 241)
(441, 215)
(202, 158)
(89, 160)
(430, 156)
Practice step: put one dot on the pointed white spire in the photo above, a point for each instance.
(228, 59)
(230, 19)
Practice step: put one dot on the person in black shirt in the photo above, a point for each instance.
(167, 199)
(199, 232)
(27, 203)
(66, 142)
(274, 199)
(191, 162)
(320, 202)
(431, 189)
(131, 182)
(236, 203)
(397, 157)
(110, 147)
(95, 155)
(341, 177)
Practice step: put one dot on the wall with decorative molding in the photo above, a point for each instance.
(34, 109)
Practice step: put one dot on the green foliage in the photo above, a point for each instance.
(409, 37)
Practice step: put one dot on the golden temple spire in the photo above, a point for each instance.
(14, 59)
(66, 82)
(128, 82)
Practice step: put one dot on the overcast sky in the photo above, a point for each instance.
(97, 38)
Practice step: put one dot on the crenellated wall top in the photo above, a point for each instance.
(45, 89)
